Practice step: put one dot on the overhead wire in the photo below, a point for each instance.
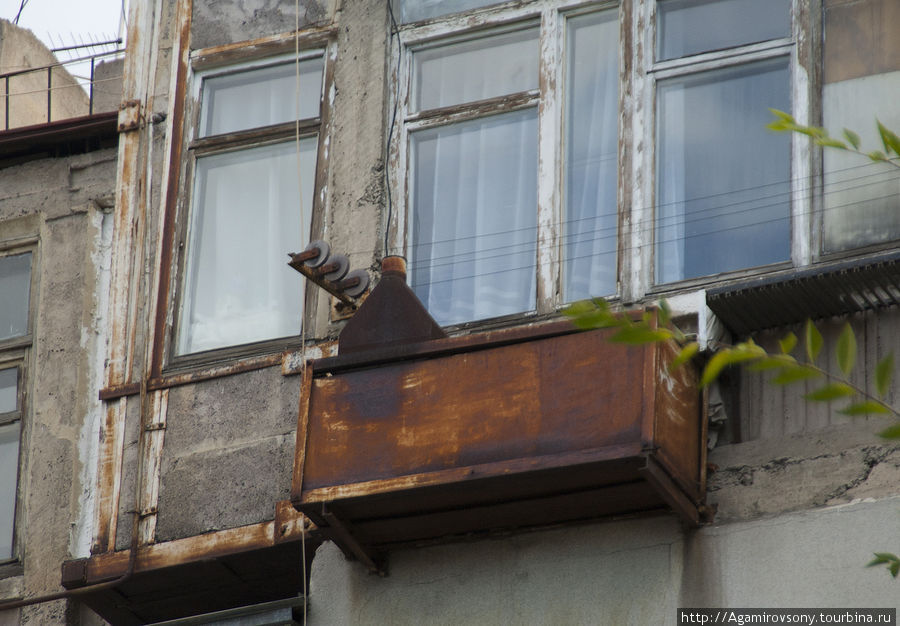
(304, 313)
(572, 233)
(19, 13)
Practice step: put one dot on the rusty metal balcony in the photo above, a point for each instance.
(517, 428)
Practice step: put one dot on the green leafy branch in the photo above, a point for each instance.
(891, 561)
(850, 142)
(786, 368)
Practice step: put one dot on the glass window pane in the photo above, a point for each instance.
(474, 217)
(9, 473)
(260, 97)
(591, 156)
(475, 70)
(723, 181)
(862, 198)
(415, 10)
(245, 220)
(9, 387)
(15, 285)
(688, 27)
(862, 80)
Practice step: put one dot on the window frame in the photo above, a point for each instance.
(222, 61)
(551, 19)
(639, 73)
(800, 48)
(15, 353)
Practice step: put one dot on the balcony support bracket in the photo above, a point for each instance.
(343, 533)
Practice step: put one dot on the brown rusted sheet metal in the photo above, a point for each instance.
(170, 380)
(302, 430)
(72, 135)
(513, 428)
(200, 574)
(111, 565)
(392, 315)
(522, 400)
(678, 427)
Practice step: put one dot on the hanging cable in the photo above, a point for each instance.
(19, 14)
(303, 315)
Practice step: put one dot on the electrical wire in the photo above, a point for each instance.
(19, 13)
(303, 239)
(573, 231)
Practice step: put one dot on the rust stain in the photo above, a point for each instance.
(172, 184)
(200, 547)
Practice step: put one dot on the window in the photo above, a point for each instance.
(552, 150)
(487, 231)
(861, 79)
(15, 338)
(249, 171)
(723, 189)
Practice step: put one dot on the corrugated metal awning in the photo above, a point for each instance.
(823, 291)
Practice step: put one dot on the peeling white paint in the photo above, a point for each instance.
(94, 339)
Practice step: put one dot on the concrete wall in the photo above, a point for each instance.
(229, 441)
(65, 203)
(633, 572)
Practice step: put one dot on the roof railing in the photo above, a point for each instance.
(29, 83)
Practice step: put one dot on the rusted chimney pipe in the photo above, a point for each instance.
(393, 266)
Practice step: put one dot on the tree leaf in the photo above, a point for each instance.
(886, 558)
(882, 557)
(589, 314)
(889, 139)
(846, 350)
(891, 432)
(730, 356)
(814, 341)
(831, 391)
(877, 155)
(665, 313)
(640, 335)
(866, 406)
(781, 115)
(772, 363)
(787, 343)
(852, 138)
(830, 142)
(796, 373)
(884, 372)
(685, 355)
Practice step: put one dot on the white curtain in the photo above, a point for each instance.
(474, 217)
(246, 218)
(591, 221)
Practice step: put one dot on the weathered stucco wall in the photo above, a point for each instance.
(222, 22)
(229, 441)
(63, 202)
(229, 452)
(629, 572)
